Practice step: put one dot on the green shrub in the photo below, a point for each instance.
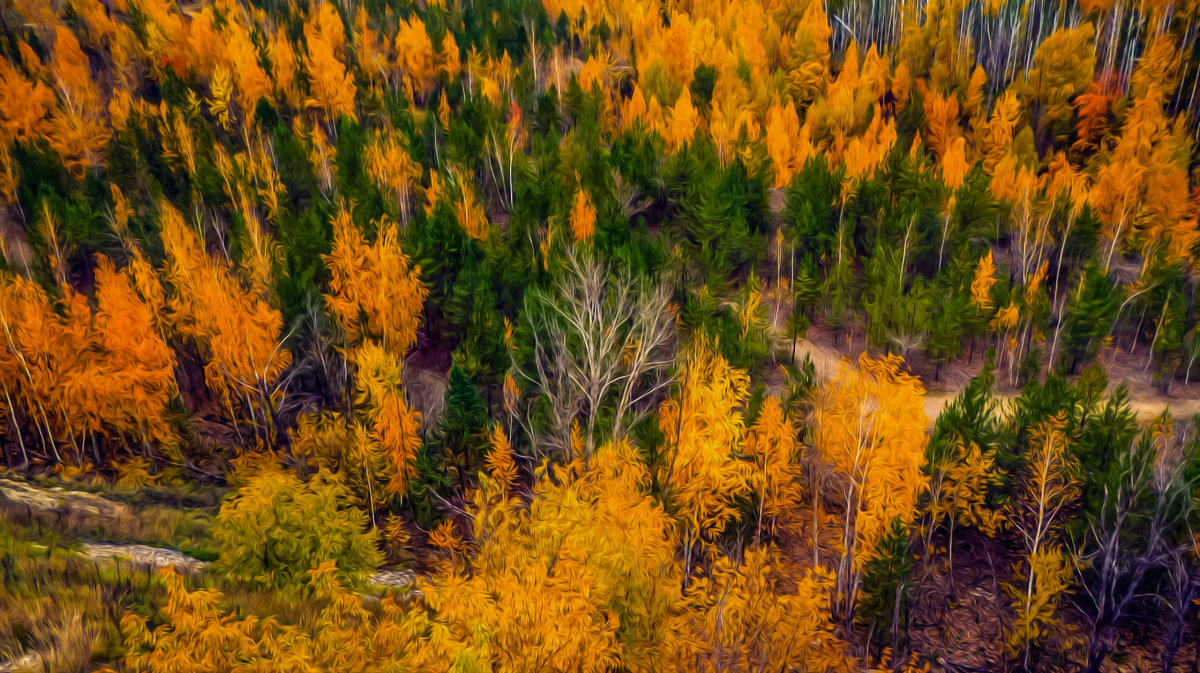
(277, 528)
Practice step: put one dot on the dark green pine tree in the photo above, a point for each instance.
(1090, 314)
(1167, 344)
(838, 290)
(460, 434)
(898, 317)
(721, 212)
(482, 354)
(947, 329)
(883, 604)
(453, 451)
(809, 212)
(806, 292)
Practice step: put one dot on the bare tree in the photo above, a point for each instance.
(602, 346)
(1133, 537)
(1179, 595)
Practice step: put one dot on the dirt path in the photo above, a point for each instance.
(1145, 401)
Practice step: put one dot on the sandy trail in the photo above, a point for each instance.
(1148, 404)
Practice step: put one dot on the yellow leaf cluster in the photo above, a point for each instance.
(870, 428)
(376, 282)
(395, 427)
(79, 373)
(331, 88)
(985, 278)
(583, 216)
(392, 168)
(703, 428)
(961, 483)
(415, 56)
(756, 615)
(238, 332)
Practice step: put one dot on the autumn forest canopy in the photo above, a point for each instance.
(810, 336)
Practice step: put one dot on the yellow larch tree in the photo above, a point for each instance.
(377, 298)
(960, 480)
(24, 106)
(77, 373)
(681, 123)
(372, 48)
(137, 371)
(393, 170)
(995, 137)
(238, 332)
(1141, 193)
(1046, 491)
(24, 109)
(583, 216)
(43, 340)
(1092, 109)
(79, 128)
(1062, 68)
(703, 428)
(375, 282)
(772, 447)
(783, 134)
(416, 57)
(332, 89)
(378, 378)
(941, 120)
(985, 279)
(808, 60)
(759, 614)
(283, 67)
(469, 210)
(252, 81)
(543, 584)
(869, 435)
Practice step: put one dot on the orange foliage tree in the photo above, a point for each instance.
(377, 298)
(238, 332)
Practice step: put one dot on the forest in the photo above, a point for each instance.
(590, 336)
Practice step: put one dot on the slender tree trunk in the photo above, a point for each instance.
(17, 427)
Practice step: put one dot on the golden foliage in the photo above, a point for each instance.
(331, 88)
(786, 145)
(870, 433)
(941, 119)
(379, 389)
(238, 332)
(393, 170)
(79, 374)
(376, 282)
(750, 616)
(961, 482)
(1049, 576)
(415, 56)
(583, 216)
(772, 446)
(1062, 68)
(1046, 490)
(24, 106)
(703, 427)
(470, 213)
(78, 129)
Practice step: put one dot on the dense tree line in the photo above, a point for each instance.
(511, 291)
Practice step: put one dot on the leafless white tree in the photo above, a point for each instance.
(603, 343)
